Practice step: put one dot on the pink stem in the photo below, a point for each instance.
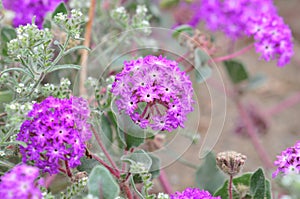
(112, 171)
(105, 151)
(183, 57)
(69, 173)
(230, 187)
(254, 137)
(164, 182)
(286, 103)
(227, 57)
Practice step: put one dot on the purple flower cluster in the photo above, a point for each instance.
(20, 182)
(193, 193)
(157, 86)
(272, 36)
(25, 10)
(232, 16)
(55, 132)
(237, 18)
(288, 161)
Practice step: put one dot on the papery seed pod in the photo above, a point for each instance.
(230, 162)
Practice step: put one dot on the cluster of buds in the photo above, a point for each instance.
(60, 91)
(230, 162)
(70, 24)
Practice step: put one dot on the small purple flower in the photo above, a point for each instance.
(288, 161)
(193, 193)
(55, 132)
(156, 85)
(20, 182)
(25, 10)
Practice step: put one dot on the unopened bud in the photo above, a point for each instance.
(230, 162)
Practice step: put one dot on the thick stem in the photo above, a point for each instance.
(111, 170)
(69, 173)
(164, 182)
(127, 190)
(84, 54)
(265, 158)
(99, 141)
(233, 55)
(230, 187)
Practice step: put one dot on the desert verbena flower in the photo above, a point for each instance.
(193, 193)
(288, 161)
(20, 182)
(154, 93)
(25, 10)
(237, 18)
(55, 132)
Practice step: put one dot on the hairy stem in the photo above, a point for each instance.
(99, 141)
(233, 55)
(69, 173)
(111, 170)
(230, 187)
(84, 54)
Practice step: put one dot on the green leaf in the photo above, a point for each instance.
(25, 71)
(87, 164)
(8, 33)
(202, 70)
(208, 176)
(47, 24)
(61, 8)
(64, 66)
(155, 166)
(256, 81)
(107, 131)
(258, 184)
(5, 96)
(268, 194)
(203, 73)
(139, 156)
(241, 184)
(76, 48)
(101, 183)
(183, 28)
(132, 141)
(236, 71)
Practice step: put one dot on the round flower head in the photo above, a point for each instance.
(55, 132)
(288, 161)
(193, 193)
(20, 182)
(154, 93)
(25, 10)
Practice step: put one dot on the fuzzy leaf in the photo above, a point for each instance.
(208, 176)
(180, 29)
(236, 71)
(242, 181)
(76, 48)
(8, 33)
(258, 184)
(64, 66)
(61, 8)
(202, 70)
(101, 184)
(25, 71)
(139, 156)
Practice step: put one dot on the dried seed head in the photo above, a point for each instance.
(230, 162)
